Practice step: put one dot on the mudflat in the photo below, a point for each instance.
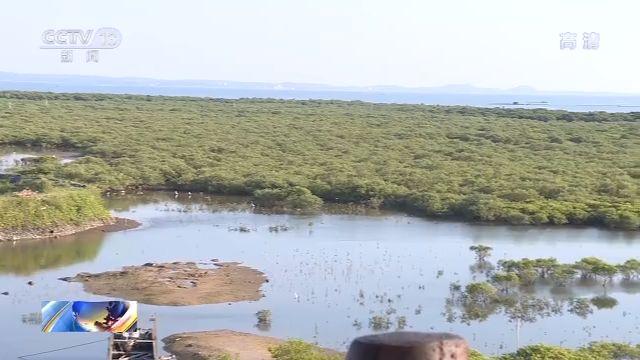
(206, 345)
(211, 344)
(177, 283)
(110, 225)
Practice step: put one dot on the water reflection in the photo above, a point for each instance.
(34, 318)
(28, 257)
(185, 202)
(12, 156)
(604, 302)
(528, 289)
(264, 320)
(630, 286)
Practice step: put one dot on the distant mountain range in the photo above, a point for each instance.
(134, 85)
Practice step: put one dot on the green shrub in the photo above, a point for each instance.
(225, 356)
(6, 187)
(593, 351)
(59, 207)
(300, 350)
(294, 198)
(542, 352)
(476, 355)
(610, 351)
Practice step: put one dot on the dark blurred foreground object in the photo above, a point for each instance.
(405, 345)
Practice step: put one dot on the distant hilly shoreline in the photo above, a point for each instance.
(50, 82)
(449, 95)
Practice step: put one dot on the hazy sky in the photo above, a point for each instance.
(491, 43)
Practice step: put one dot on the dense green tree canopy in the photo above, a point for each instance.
(514, 166)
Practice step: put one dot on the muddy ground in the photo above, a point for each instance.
(111, 225)
(209, 345)
(177, 283)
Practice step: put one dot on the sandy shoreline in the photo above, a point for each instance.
(206, 345)
(111, 225)
(176, 283)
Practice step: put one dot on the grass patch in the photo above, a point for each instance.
(55, 208)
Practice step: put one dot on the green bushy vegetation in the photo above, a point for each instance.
(526, 271)
(57, 207)
(477, 164)
(593, 351)
(299, 350)
(293, 198)
(225, 357)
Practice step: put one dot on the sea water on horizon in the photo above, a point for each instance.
(580, 103)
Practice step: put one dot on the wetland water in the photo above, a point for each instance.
(326, 272)
(13, 156)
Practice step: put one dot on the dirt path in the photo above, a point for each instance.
(177, 283)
